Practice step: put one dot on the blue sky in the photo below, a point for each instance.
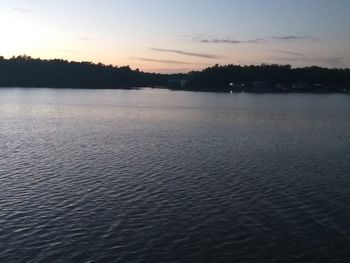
(178, 36)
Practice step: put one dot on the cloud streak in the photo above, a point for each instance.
(229, 41)
(296, 54)
(293, 38)
(233, 41)
(23, 10)
(68, 50)
(185, 53)
(86, 39)
(164, 61)
(330, 61)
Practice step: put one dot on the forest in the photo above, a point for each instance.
(24, 71)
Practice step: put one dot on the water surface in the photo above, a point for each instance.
(161, 176)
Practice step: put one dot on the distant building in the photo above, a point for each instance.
(282, 87)
(301, 86)
(175, 83)
(320, 87)
(237, 86)
(261, 85)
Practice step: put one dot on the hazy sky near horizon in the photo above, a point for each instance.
(181, 35)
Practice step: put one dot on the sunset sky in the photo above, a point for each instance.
(181, 35)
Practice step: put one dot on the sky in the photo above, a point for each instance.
(179, 36)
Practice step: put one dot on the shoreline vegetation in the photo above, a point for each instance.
(24, 71)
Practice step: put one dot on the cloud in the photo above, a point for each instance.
(68, 50)
(229, 41)
(86, 39)
(162, 61)
(289, 53)
(185, 53)
(330, 61)
(23, 10)
(214, 40)
(293, 38)
(233, 41)
(333, 61)
(290, 59)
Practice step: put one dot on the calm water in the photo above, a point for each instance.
(161, 176)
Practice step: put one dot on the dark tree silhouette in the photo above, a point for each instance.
(24, 71)
(271, 78)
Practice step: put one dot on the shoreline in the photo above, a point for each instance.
(267, 91)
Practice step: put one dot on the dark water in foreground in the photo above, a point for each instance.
(160, 176)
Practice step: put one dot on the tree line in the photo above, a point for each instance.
(24, 71)
(266, 77)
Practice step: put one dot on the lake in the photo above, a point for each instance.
(169, 176)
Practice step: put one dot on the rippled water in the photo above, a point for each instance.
(161, 176)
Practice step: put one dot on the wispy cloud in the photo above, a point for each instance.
(164, 61)
(333, 61)
(86, 39)
(23, 10)
(329, 61)
(68, 50)
(186, 53)
(293, 38)
(229, 41)
(235, 41)
(289, 53)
